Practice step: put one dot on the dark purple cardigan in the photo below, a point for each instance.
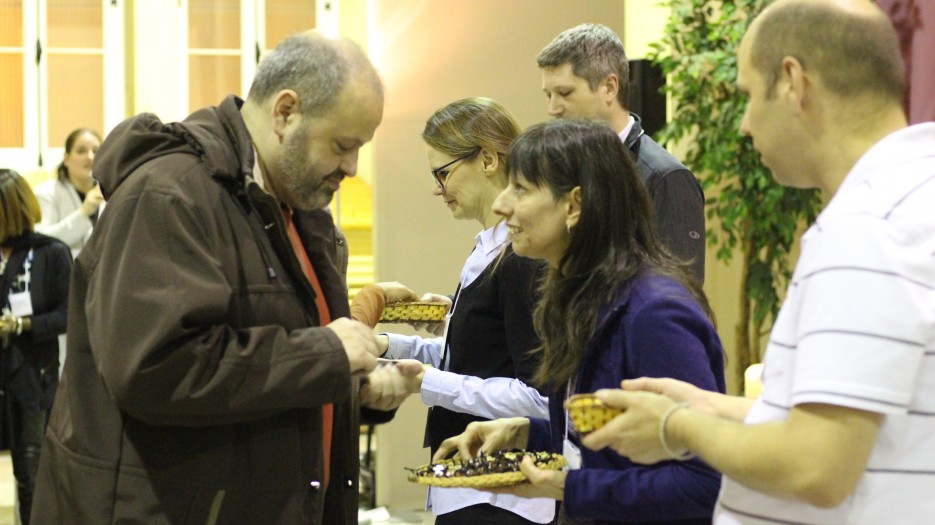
(656, 329)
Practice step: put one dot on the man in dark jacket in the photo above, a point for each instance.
(212, 374)
(585, 74)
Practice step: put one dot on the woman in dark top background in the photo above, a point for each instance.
(483, 368)
(615, 305)
(34, 272)
(71, 202)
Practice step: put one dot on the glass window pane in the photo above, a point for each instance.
(214, 24)
(76, 95)
(75, 23)
(284, 17)
(11, 23)
(11, 100)
(211, 78)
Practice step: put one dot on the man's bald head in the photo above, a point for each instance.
(316, 67)
(850, 44)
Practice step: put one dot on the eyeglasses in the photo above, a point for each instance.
(440, 177)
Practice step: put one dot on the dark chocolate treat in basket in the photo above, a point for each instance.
(496, 469)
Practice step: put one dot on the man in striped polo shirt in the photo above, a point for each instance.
(844, 429)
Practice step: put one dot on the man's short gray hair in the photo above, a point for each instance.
(594, 51)
(316, 67)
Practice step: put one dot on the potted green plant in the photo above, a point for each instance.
(754, 218)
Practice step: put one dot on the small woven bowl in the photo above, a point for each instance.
(405, 312)
(588, 413)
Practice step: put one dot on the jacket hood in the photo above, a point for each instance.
(145, 137)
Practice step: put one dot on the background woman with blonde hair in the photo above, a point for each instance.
(34, 272)
(482, 367)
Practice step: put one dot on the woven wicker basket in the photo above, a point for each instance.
(588, 413)
(405, 312)
(425, 475)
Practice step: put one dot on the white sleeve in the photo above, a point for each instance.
(69, 227)
(489, 398)
(428, 351)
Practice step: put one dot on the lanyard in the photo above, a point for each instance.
(443, 364)
(568, 388)
(26, 266)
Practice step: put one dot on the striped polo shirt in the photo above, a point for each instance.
(857, 330)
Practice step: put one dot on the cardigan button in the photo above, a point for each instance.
(315, 486)
(349, 483)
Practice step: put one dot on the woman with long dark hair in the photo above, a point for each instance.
(615, 305)
(34, 272)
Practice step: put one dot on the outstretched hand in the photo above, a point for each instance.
(635, 432)
(358, 342)
(396, 292)
(436, 328)
(678, 391)
(391, 383)
(486, 436)
(542, 483)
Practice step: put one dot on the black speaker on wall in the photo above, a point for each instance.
(646, 97)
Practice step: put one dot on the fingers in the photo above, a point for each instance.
(396, 292)
(614, 398)
(386, 389)
(435, 298)
(359, 344)
(602, 437)
(445, 449)
(544, 483)
(436, 328)
(409, 367)
(648, 384)
(467, 451)
(530, 470)
(676, 390)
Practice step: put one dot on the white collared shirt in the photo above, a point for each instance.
(488, 398)
(626, 131)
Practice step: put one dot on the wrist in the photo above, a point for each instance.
(521, 431)
(416, 385)
(670, 439)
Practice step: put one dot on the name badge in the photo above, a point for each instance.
(21, 304)
(572, 454)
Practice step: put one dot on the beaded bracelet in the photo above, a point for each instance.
(662, 434)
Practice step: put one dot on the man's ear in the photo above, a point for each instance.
(285, 111)
(573, 208)
(611, 85)
(794, 83)
(491, 161)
